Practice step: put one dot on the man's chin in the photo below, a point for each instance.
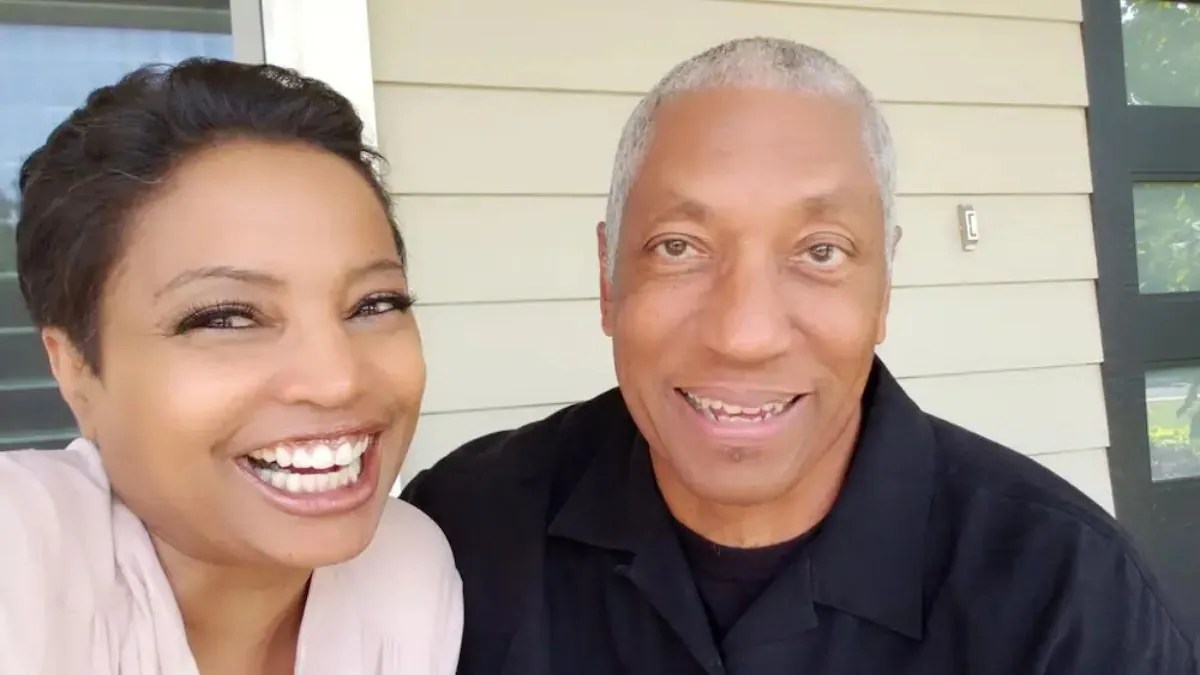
(734, 476)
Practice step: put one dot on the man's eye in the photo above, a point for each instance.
(674, 248)
(825, 255)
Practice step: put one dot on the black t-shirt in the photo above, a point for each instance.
(729, 579)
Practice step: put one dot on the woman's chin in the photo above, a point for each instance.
(319, 545)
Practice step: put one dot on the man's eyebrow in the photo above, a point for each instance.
(218, 272)
(683, 208)
(819, 205)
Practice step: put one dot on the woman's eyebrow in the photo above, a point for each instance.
(218, 272)
(262, 278)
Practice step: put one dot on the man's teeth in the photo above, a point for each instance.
(336, 464)
(721, 411)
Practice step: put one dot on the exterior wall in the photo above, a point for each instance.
(500, 120)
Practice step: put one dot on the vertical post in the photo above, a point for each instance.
(328, 40)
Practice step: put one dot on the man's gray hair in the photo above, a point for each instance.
(757, 62)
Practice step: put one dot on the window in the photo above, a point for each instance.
(1162, 55)
(51, 55)
(1143, 64)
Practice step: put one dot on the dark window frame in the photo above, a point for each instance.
(1131, 144)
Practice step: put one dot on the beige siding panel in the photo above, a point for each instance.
(964, 329)
(1011, 408)
(1055, 10)
(476, 141)
(488, 249)
(439, 434)
(1034, 411)
(627, 45)
(513, 354)
(517, 354)
(1023, 238)
(1087, 470)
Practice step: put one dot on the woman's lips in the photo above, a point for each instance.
(317, 478)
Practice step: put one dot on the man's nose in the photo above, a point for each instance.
(320, 367)
(746, 318)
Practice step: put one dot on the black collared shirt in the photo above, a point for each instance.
(943, 554)
(730, 580)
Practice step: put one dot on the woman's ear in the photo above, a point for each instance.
(77, 381)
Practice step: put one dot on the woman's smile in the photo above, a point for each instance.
(317, 476)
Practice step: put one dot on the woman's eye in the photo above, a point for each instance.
(674, 248)
(383, 304)
(219, 317)
(231, 322)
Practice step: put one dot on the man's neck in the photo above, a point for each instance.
(790, 515)
(238, 620)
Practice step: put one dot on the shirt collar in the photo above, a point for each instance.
(868, 559)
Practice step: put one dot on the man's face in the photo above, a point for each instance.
(750, 290)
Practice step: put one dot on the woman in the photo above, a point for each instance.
(211, 260)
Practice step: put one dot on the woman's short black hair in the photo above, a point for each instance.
(77, 191)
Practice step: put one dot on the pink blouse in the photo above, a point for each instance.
(82, 591)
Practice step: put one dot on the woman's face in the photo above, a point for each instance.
(260, 371)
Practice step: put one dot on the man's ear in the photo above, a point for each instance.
(76, 379)
(885, 306)
(606, 290)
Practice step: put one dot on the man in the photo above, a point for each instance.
(760, 496)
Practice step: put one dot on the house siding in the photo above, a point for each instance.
(500, 121)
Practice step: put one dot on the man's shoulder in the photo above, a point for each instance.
(973, 468)
(1039, 532)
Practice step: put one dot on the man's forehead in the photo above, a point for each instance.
(748, 101)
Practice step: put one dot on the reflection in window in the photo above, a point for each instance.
(47, 70)
(1173, 423)
(8, 232)
(1162, 52)
(1167, 228)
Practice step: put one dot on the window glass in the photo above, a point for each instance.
(1173, 423)
(51, 55)
(1167, 227)
(1162, 52)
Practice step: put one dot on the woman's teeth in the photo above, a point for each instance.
(311, 467)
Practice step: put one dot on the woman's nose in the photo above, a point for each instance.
(320, 367)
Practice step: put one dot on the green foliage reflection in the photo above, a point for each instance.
(1162, 52)
(1167, 226)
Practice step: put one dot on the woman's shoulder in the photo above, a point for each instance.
(48, 488)
(55, 524)
(401, 597)
(58, 503)
(408, 547)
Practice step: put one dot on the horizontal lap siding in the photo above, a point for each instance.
(1060, 10)
(627, 45)
(500, 120)
(522, 142)
(544, 247)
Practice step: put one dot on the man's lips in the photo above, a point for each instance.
(742, 398)
(741, 408)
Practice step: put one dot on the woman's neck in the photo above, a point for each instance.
(238, 620)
